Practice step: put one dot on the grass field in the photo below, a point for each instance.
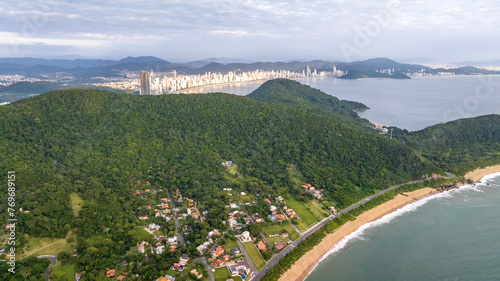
(76, 203)
(221, 274)
(49, 246)
(142, 234)
(280, 228)
(305, 215)
(229, 245)
(317, 209)
(64, 272)
(254, 255)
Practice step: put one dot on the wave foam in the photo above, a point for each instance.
(357, 234)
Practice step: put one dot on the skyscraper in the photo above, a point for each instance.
(145, 83)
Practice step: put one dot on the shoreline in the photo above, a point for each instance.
(306, 264)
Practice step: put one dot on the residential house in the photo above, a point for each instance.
(261, 246)
(235, 251)
(280, 246)
(184, 259)
(143, 217)
(226, 257)
(110, 273)
(201, 248)
(120, 277)
(240, 268)
(78, 276)
(219, 263)
(227, 163)
(245, 237)
(218, 251)
(159, 249)
(194, 216)
(284, 235)
(154, 227)
(195, 273)
(140, 248)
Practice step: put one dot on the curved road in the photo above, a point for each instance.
(53, 260)
(317, 226)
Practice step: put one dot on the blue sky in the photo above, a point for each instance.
(447, 31)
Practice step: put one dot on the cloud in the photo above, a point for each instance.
(307, 25)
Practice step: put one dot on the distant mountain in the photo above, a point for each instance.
(145, 59)
(223, 60)
(87, 70)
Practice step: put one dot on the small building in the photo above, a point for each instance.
(245, 237)
(195, 273)
(218, 251)
(120, 277)
(227, 163)
(280, 246)
(261, 246)
(235, 251)
(110, 273)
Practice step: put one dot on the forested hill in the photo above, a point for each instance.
(293, 93)
(460, 146)
(95, 143)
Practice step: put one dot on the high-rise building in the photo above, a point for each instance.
(145, 83)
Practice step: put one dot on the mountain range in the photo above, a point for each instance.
(85, 70)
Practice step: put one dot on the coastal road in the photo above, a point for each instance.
(317, 226)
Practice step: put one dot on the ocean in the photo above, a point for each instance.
(453, 235)
(409, 104)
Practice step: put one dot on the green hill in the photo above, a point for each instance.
(460, 146)
(103, 146)
(284, 91)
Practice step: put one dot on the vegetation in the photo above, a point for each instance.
(254, 254)
(459, 146)
(80, 155)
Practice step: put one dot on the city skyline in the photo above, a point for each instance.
(255, 30)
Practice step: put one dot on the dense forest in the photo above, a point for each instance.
(99, 144)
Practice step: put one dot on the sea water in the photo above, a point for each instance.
(410, 104)
(453, 235)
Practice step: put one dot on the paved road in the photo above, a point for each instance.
(207, 267)
(53, 260)
(179, 234)
(247, 257)
(317, 226)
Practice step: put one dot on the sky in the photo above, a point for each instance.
(276, 30)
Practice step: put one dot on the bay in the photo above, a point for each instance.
(410, 104)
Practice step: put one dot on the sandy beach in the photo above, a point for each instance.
(306, 263)
(477, 174)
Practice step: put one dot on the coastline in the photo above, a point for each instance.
(303, 267)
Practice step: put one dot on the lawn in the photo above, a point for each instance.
(49, 246)
(317, 209)
(279, 229)
(305, 215)
(76, 203)
(222, 274)
(142, 234)
(64, 272)
(254, 254)
(229, 245)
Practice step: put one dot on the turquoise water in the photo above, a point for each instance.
(453, 236)
(411, 104)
